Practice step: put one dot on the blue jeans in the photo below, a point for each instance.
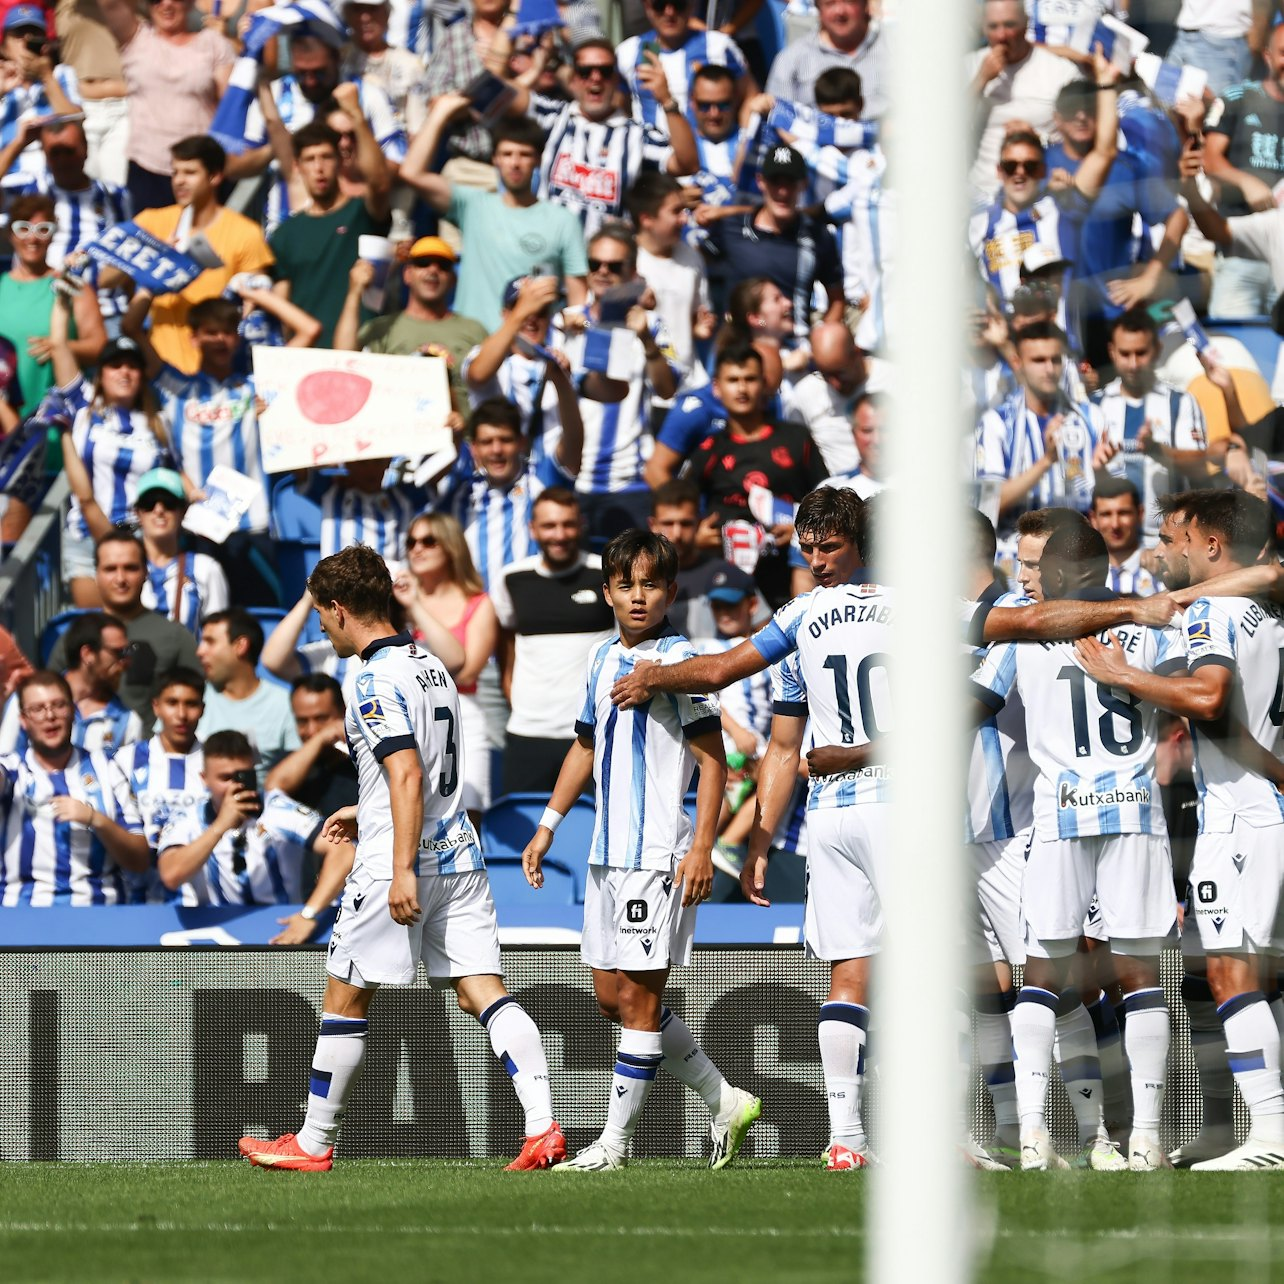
(1225, 59)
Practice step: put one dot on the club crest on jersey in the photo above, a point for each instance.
(1199, 631)
(371, 713)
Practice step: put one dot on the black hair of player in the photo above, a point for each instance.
(1239, 520)
(832, 510)
(631, 552)
(180, 676)
(228, 744)
(357, 579)
(1081, 550)
(495, 412)
(240, 624)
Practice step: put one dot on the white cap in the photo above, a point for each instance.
(1040, 256)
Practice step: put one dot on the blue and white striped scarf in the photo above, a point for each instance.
(304, 17)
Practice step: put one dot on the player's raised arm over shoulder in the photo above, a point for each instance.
(688, 677)
(1066, 618)
(1202, 694)
(1266, 580)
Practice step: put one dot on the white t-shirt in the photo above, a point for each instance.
(680, 287)
(1225, 19)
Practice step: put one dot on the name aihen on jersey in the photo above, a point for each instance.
(843, 638)
(405, 699)
(1246, 636)
(1094, 745)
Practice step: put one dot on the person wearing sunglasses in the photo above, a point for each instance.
(98, 650)
(1030, 211)
(182, 584)
(68, 824)
(679, 47)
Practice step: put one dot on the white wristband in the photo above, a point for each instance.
(308, 912)
(551, 819)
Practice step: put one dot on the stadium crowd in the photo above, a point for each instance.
(651, 242)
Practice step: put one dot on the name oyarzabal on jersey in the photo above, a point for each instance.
(843, 637)
(405, 699)
(1094, 745)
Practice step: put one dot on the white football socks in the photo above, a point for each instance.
(1115, 1083)
(636, 1062)
(994, 1051)
(516, 1042)
(1253, 1051)
(1146, 1044)
(842, 1032)
(1033, 1031)
(687, 1063)
(341, 1047)
(1076, 1051)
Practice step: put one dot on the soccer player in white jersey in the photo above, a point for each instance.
(164, 773)
(1234, 650)
(418, 887)
(67, 822)
(1098, 826)
(1156, 431)
(648, 868)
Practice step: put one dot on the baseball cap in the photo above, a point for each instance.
(784, 162)
(23, 16)
(730, 584)
(432, 247)
(513, 288)
(123, 349)
(1040, 256)
(162, 479)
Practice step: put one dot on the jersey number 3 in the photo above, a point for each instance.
(446, 783)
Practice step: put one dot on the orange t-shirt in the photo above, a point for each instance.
(237, 240)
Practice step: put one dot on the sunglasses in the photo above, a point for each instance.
(1033, 168)
(170, 503)
(614, 266)
(433, 260)
(121, 653)
(718, 104)
(41, 231)
(587, 70)
(421, 541)
(678, 6)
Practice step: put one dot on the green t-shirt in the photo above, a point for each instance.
(315, 253)
(402, 336)
(25, 310)
(505, 241)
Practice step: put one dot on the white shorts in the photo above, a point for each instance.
(1094, 927)
(634, 920)
(456, 934)
(995, 932)
(1236, 881)
(847, 849)
(1131, 874)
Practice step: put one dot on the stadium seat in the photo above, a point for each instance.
(56, 627)
(509, 887)
(1256, 335)
(510, 823)
(294, 516)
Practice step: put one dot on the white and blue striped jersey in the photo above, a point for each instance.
(864, 214)
(617, 435)
(1174, 419)
(642, 761)
(999, 237)
(1246, 636)
(261, 863)
(51, 862)
(204, 589)
(587, 165)
(747, 701)
(116, 446)
(701, 49)
(1130, 578)
(24, 102)
(417, 24)
(1052, 22)
(296, 111)
(1000, 774)
(163, 784)
(213, 421)
(496, 520)
(1094, 746)
(843, 636)
(832, 146)
(380, 520)
(104, 731)
(524, 382)
(405, 699)
(1009, 441)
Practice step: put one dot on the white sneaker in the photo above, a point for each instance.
(1005, 1151)
(592, 1159)
(1211, 1143)
(979, 1157)
(1145, 1154)
(1038, 1153)
(728, 1130)
(1101, 1156)
(1253, 1155)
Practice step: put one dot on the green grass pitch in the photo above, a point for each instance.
(770, 1221)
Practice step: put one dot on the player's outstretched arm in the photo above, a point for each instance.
(1248, 581)
(406, 795)
(695, 676)
(572, 780)
(1202, 695)
(695, 870)
(776, 777)
(1064, 618)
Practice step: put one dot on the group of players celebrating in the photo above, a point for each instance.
(1066, 828)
